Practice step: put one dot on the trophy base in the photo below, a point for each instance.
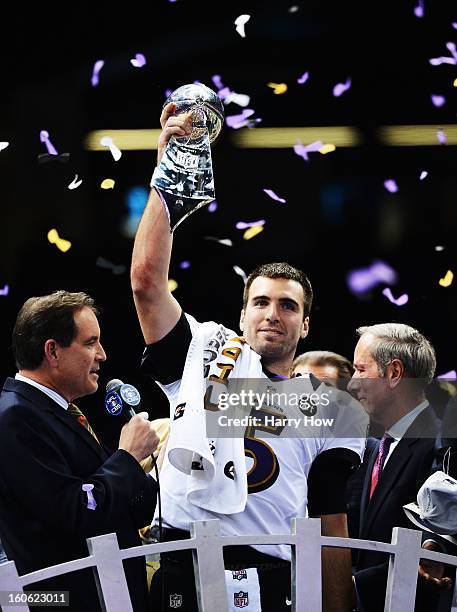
(179, 208)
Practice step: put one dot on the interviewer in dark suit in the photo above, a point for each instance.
(393, 364)
(46, 455)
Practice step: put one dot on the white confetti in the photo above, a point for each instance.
(240, 22)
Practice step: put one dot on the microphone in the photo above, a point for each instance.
(120, 396)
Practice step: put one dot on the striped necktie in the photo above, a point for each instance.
(76, 412)
(384, 446)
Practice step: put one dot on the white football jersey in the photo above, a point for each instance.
(277, 469)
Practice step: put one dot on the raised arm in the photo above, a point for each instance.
(158, 311)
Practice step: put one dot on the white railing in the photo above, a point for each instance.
(207, 545)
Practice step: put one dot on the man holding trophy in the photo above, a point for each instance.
(181, 355)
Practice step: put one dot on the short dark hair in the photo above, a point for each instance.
(343, 366)
(282, 270)
(45, 317)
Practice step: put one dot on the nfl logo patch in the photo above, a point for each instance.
(175, 601)
(239, 574)
(240, 600)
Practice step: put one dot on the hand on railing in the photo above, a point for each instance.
(432, 572)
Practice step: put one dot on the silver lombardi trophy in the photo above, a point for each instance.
(184, 178)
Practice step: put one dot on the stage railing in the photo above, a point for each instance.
(207, 545)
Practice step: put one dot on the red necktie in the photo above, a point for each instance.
(383, 451)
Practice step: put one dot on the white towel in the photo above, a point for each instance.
(243, 590)
(217, 468)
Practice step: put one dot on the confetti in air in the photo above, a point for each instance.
(423, 174)
(273, 196)
(184, 265)
(419, 9)
(224, 241)
(91, 503)
(236, 98)
(107, 141)
(362, 280)
(241, 273)
(304, 77)
(391, 185)
(400, 301)
(107, 184)
(239, 121)
(96, 72)
(447, 280)
(438, 101)
(172, 284)
(303, 150)
(244, 225)
(439, 247)
(278, 88)
(441, 136)
(452, 374)
(138, 61)
(61, 244)
(240, 22)
(212, 207)
(3, 145)
(44, 137)
(328, 148)
(340, 88)
(5, 290)
(252, 231)
(115, 269)
(75, 183)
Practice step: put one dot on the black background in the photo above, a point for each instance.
(48, 52)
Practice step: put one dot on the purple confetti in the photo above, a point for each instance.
(243, 225)
(419, 9)
(224, 92)
(5, 290)
(138, 61)
(212, 207)
(184, 265)
(168, 93)
(362, 280)
(303, 150)
(450, 46)
(216, 79)
(438, 100)
(96, 71)
(239, 121)
(391, 185)
(340, 88)
(91, 503)
(400, 301)
(454, 25)
(304, 77)
(423, 174)
(437, 61)
(452, 374)
(273, 196)
(442, 138)
(44, 137)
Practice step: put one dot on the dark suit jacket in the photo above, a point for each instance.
(407, 468)
(45, 457)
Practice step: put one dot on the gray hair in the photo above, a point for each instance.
(400, 341)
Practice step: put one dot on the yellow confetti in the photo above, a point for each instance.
(107, 184)
(172, 284)
(252, 231)
(328, 148)
(455, 83)
(278, 88)
(447, 280)
(60, 243)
